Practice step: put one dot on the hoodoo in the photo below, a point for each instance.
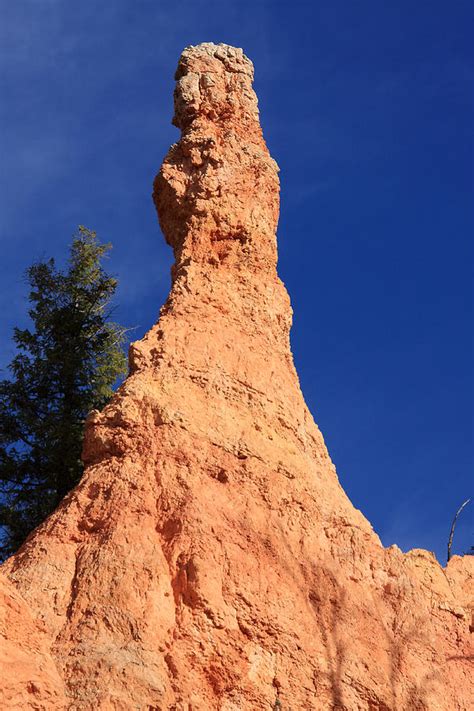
(209, 558)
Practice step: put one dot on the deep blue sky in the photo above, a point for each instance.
(367, 107)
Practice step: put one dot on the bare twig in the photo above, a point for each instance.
(453, 526)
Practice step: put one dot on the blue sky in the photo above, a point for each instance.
(368, 109)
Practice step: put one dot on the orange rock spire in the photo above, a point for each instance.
(217, 191)
(209, 559)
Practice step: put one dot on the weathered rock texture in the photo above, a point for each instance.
(209, 558)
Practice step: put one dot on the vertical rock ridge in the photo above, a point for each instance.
(209, 558)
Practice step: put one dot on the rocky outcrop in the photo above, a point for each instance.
(209, 559)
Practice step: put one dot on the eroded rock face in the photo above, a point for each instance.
(209, 558)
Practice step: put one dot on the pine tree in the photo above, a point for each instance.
(66, 365)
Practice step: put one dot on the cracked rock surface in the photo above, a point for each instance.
(209, 558)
